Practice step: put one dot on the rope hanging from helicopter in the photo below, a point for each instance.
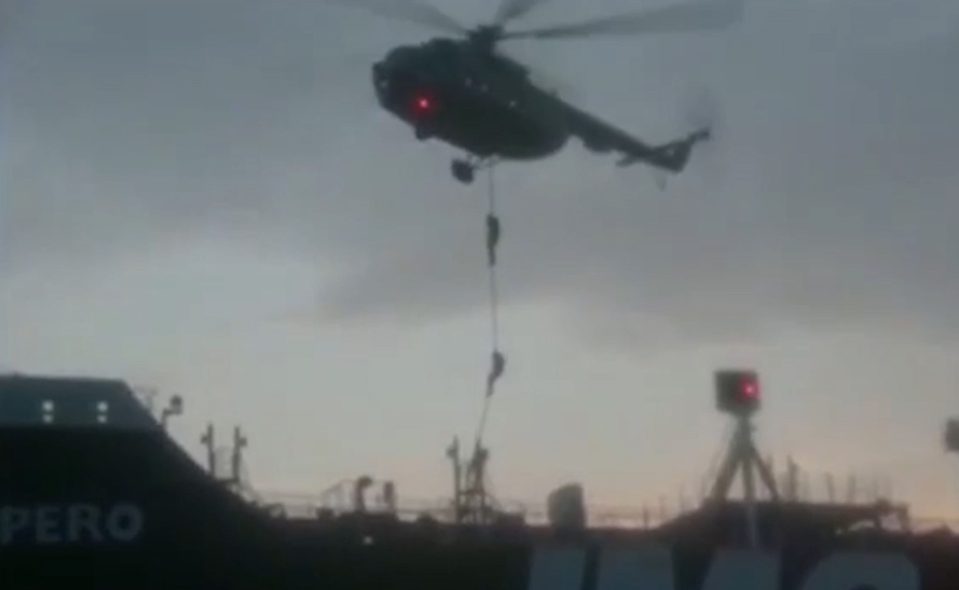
(497, 358)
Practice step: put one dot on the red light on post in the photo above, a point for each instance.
(738, 391)
(749, 389)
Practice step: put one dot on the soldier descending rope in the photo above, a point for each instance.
(472, 502)
(493, 233)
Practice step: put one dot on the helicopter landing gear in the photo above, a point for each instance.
(464, 169)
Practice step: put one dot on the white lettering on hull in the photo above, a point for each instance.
(652, 568)
(619, 569)
(743, 570)
(557, 569)
(879, 571)
(59, 524)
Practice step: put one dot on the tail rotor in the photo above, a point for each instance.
(702, 111)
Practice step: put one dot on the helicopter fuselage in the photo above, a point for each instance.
(473, 99)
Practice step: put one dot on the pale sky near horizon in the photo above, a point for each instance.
(203, 196)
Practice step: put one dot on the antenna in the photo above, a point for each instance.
(174, 408)
(453, 453)
(852, 488)
(208, 440)
(681, 500)
(389, 497)
(359, 493)
(792, 480)
(831, 488)
(239, 443)
(475, 503)
(951, 435)
(738, 393)
(472, 503)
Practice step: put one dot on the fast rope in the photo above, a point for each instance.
(497, 358)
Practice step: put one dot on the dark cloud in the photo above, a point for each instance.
(828, 202)
(828, 199)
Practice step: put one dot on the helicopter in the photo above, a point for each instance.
(461, 90)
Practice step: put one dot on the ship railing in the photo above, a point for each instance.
(926, 524)
(306, 505)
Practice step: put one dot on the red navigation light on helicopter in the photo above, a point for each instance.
(738, 391)
(423, 104)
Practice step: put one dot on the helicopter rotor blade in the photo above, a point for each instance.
(410, 11)
(513, 9)
(679, 18)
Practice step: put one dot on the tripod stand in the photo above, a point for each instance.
(742, 455)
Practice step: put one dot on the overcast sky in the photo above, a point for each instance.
(203, 196)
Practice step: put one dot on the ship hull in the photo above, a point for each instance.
(127, 509)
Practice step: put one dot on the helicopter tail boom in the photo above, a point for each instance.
(600, 136)
(672, 156)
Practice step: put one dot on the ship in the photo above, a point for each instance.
(95, 494)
